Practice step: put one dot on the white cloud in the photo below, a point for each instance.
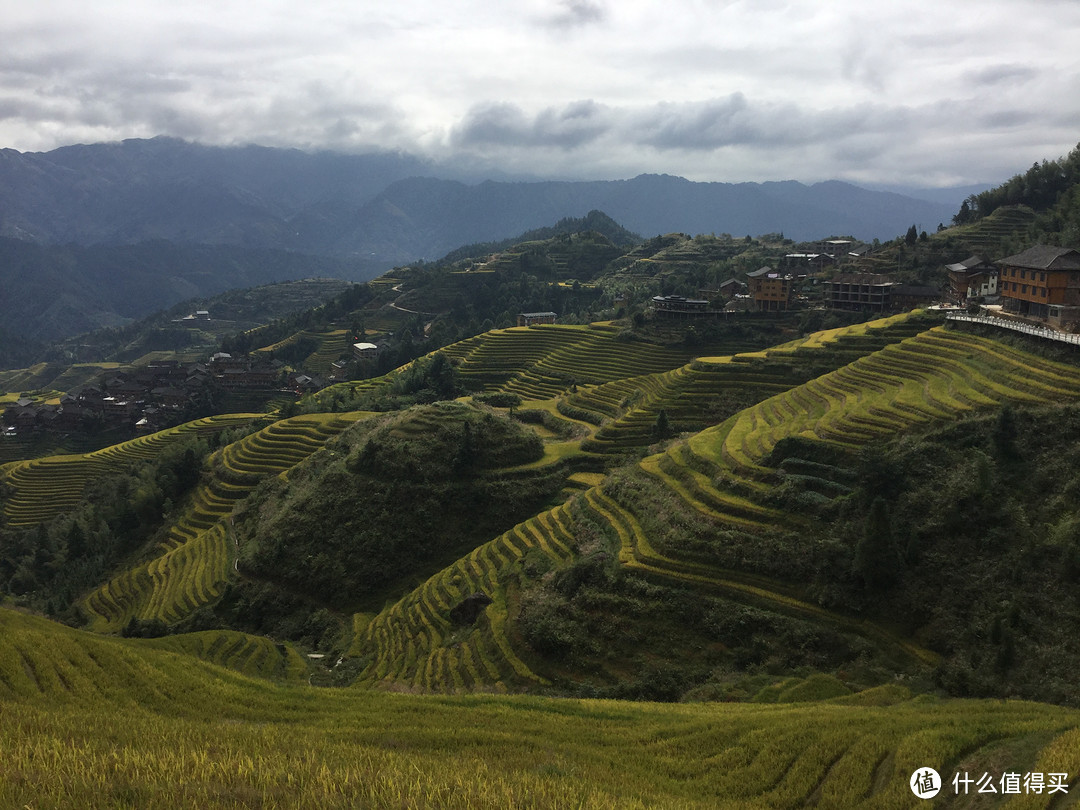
(711, 90)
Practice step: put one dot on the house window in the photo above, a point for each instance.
(1042, 292)
(1042, 276)
(1014, 286)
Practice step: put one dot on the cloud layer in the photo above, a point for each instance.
(735, 90)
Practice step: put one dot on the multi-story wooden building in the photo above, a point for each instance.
(771, 290)
(974, 277)
(1042, 283)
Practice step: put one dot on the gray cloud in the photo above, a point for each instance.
(1002, 74)
(506, 124)
(728, 91)
(576, 13)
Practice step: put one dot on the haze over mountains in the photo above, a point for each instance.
(388, 208)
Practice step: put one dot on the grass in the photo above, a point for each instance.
(92, 722)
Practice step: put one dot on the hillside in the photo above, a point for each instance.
(393, 498)
(433, 216)
(733, 543)
(99, 722)
(769, 560)
(50, 293)
(779, 552)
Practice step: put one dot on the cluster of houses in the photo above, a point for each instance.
(1040, 284)
(155, 396)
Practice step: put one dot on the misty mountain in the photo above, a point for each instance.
(50, 292)
(166, 188)
(427, 217)
(388, 208)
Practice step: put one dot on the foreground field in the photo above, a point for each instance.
(93, 722)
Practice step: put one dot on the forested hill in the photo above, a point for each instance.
(1051, 189)
(53, 292)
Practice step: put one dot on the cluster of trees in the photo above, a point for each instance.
(969, 534)
(317, 318)
(1040, 188)
(50, 566)
(399, 499)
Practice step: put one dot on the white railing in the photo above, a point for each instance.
(1017, 326)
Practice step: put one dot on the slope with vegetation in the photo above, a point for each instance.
(392, 498)
(193, 560)
(98, 722)
(772, 511)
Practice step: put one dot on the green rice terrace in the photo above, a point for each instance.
(703, 576)
(99, 722)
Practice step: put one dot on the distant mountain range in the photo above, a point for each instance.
(388, 208)
(49, 292)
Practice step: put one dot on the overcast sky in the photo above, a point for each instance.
(919, 92)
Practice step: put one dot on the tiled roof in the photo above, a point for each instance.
(1044, 257)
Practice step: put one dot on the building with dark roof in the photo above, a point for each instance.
(875, 293)
(676, 306)
(531, 318)
(974, 277)
(1042, 283)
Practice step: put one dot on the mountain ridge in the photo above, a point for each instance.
(387, 207)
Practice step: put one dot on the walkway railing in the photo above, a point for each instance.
(1017, 326)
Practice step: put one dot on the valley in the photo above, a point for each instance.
(665, 551)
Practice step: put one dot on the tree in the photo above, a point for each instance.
(661, 427)
(965, 214)
(912, 235)
(875, 559)
(465, 458)
(1004, 435)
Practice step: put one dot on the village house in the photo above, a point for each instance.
(365, 351)
(533, 318)
(875, 292)
(771, 290)
(804, 264)
(339, 370)
(677, 306)
(732, 287)
(1042, 283)
(858, 291)
(974, 277)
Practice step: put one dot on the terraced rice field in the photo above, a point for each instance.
(540, 362)
(100, 722)
(331, 345)
(28, 379)
(719, 474)
(46, 487)
(934, 376)
(989, 233)
(413, 642)
(627, 409)
(256, 656)
(197, 553)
